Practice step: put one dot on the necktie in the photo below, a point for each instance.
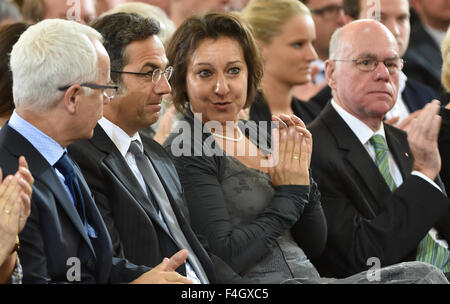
(381, 159)
(145, 167)
(429, 250)
(65, 166)
(159, 196)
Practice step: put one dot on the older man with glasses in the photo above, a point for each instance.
(379, 186)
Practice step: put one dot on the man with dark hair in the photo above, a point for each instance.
(134, 182)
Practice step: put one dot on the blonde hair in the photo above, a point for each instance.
(167, 27)
(267, 17)
(445, 51)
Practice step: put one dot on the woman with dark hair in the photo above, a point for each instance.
(257, 207)
(9, 34)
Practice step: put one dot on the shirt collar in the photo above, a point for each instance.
(437, 35)
(401, 83)
(360, 129)
(47, 146)
(118, 136)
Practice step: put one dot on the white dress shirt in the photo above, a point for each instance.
(122, 141)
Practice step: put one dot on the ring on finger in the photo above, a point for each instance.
(296, 157)
(7, 211)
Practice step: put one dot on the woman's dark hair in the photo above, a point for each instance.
(197, 28)
(9, 34)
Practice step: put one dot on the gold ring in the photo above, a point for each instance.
(295, 156)
(7, 212)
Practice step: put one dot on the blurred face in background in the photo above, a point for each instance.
(435, 13)
(82, 11)
(163, 4)
(106, 5)
(288, 56)
(395, 16)
(328, 15)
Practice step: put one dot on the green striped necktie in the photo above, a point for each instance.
(429, 250)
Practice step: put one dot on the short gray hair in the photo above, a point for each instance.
(48, 55)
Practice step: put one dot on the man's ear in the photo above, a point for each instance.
(72, 97)
(330, 68)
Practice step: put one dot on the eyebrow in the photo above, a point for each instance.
(209, 64)
(151, 65)
(373, 56)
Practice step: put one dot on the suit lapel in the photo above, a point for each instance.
(44, 173)
(116, 163)
(173, 191)
(356, 155)
(400, 151)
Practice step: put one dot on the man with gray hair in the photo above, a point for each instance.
(378, 191)
(60, 83)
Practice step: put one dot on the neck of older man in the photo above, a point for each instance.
(372, 120)
(52, 123)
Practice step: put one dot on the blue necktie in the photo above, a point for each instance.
(65, 166)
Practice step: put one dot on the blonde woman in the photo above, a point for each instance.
(284, 30)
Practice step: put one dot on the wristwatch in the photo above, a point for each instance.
(17, 245)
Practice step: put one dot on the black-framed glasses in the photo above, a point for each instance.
(155, 75)
(329, 11)
(109, 91)
(394, 64)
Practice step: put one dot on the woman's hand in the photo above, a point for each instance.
(10, 208)
(26, 181)
(15, 197)
(292, 148)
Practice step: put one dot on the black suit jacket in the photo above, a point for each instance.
(54, 232)
(415, 95)
(423, 60)
(135, 228)
(365, 219)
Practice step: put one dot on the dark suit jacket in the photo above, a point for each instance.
(135, 228)
(415, 95)
(423, 59)
(54, 231)
(365, 219)
(259, 110)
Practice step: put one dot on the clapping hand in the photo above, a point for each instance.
(292, 148)
(422, 137)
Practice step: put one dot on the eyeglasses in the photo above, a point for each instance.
(328, 12)
(394, 65)
(108, 90)
(155, 75)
